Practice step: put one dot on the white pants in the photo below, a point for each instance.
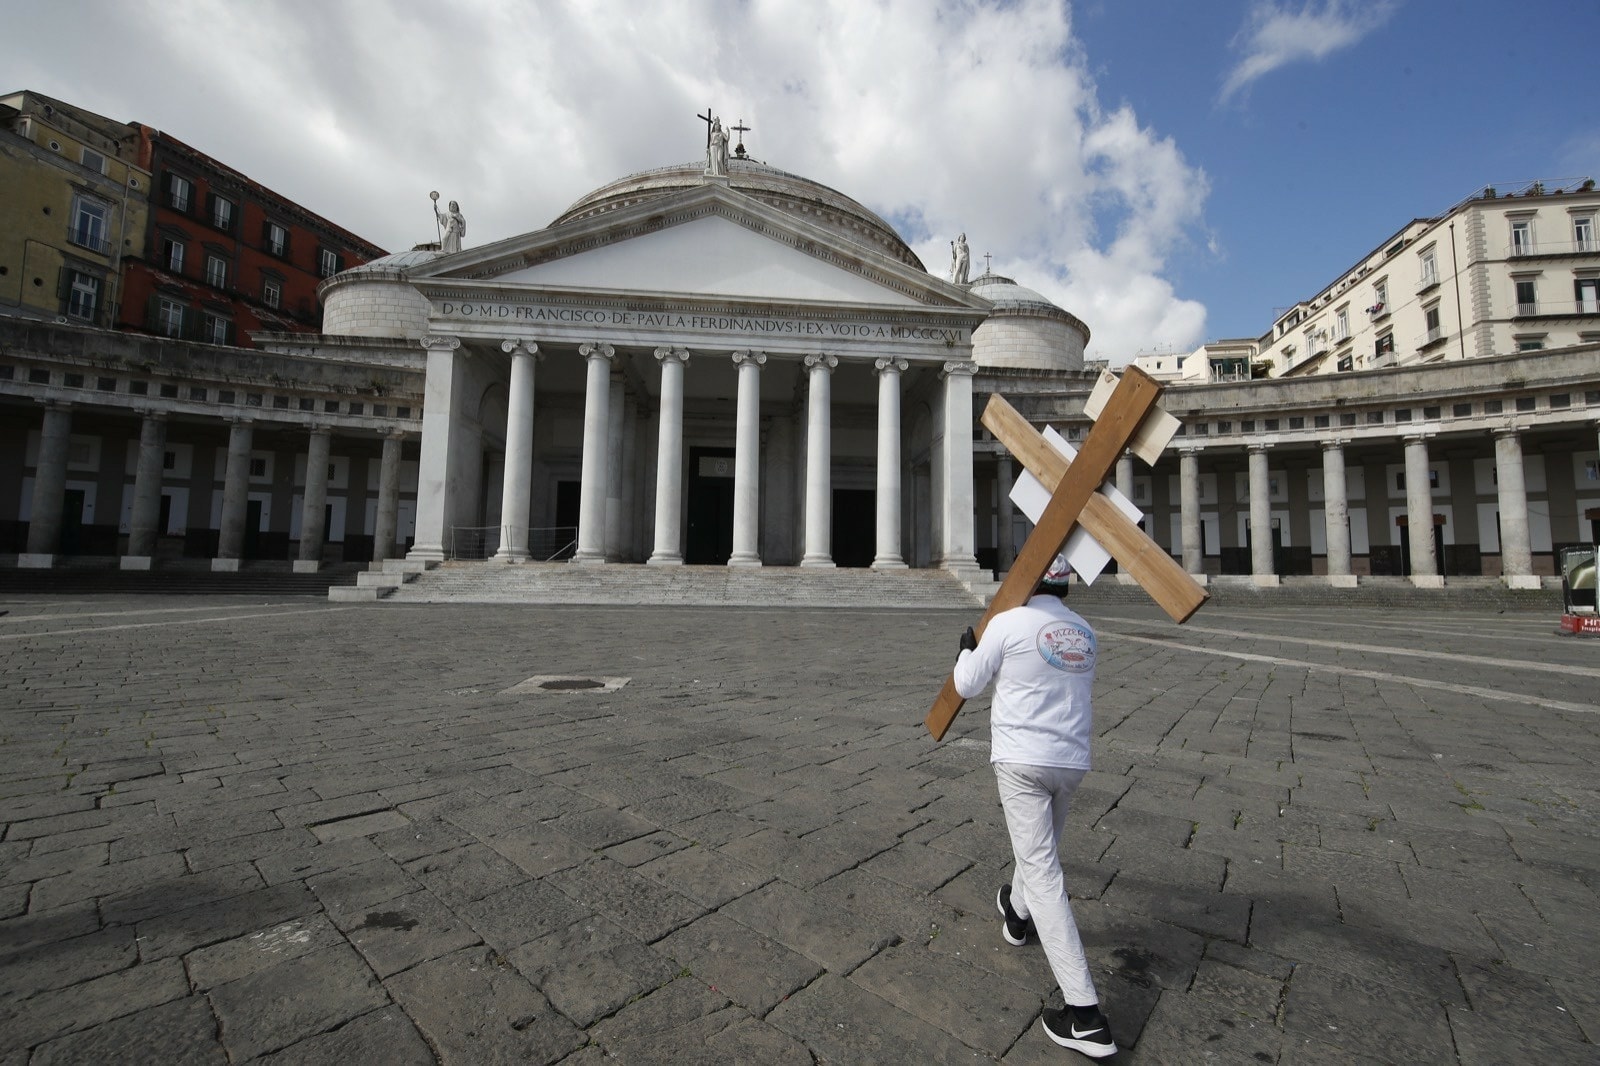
(1035, 800)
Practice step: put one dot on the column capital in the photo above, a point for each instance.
(519, 346)
(823, 361)
(1258, 446)
(1334, 444)
(438, 342)
(896, 364)
(962, 367)
(597, 350)
(1511, 430)
(740, 358)
(1191, 451)
(57, 405)
(150, 413)
(396, 434)
(325, 428)
(680, 354)
(1416, 438)
(240, 420)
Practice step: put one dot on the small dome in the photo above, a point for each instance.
(376, 299)
(811, 201)
(1025, 330)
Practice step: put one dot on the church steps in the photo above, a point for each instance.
(633, 584)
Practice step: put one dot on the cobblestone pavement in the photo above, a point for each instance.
(310, 833)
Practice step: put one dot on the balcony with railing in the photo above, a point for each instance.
(1431, 339)
(1430, 280)
(1531, 249)
(1556, 308)
(90, 237)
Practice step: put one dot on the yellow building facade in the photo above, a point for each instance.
(76, 206)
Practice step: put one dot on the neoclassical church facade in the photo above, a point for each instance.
(723, 363)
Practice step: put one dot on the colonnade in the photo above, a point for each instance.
(50, 479)
(602, 440)
(1511, 497)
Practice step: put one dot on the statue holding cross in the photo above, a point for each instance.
(716, 145)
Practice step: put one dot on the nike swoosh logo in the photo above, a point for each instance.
(1079, 1035)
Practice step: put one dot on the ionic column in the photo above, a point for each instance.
(669, 460)
(1194, 548)
(958, 495)
(1336, 514)
(1516, 553)
(819, 461)
(441, 440)
(747, 461)
(385, 533)
(516, 486)
(596, 428)
(1260, 519)
(49, 488)
(235, 497)
(146, 513)
(1125, 474)
(1419, 515)
(314, 504)
(888, 519)
(1005, 551)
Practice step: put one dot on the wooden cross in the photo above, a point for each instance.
(707, 119)
(1073, 500)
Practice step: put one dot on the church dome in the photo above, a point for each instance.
(811, 201)
(376, 299)
(1025, 330)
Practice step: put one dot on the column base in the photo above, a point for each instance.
(1522, 581)
(224, 566)
(664, 559)
(134, 562)
(744, 559)
(307, 566)
(1427, 581)
(509, 557)
(426, 553)
(889, 562)
(1342, 581)
(592, 558)
(822, 562)
(1265, 581)
(35, 561)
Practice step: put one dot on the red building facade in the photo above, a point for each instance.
(226, 256)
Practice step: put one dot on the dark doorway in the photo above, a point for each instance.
(71, 522)
(855, 527)
(568, 496)
(164, 522)
(252, 530)
(710, 507)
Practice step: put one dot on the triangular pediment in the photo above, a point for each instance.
(707, 242)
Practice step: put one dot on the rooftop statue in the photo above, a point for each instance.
(717, 151)
(454, 225)
(959, 260)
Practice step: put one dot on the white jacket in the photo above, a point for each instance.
(1044, 655)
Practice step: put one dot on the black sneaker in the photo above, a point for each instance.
(1083, 1029)
(1015, 929)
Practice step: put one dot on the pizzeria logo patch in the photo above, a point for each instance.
(1067, 646)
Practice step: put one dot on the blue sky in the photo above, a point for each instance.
(1169, 172)
(1315, 162)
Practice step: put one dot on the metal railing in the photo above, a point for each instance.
(1520, 249)
(544, 543)
(88, 237)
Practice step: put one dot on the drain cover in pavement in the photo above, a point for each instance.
(568, 683)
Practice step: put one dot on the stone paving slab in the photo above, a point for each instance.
(346, 835)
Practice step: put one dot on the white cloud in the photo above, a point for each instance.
(969, 117)
(1277, 34)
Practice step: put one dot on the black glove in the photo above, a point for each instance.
(969, 640)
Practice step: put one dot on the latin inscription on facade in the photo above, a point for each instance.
(740, 325)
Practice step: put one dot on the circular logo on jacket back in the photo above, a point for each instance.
(1067, 646)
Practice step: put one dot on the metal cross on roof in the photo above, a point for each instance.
(986, 262)
(741, 129)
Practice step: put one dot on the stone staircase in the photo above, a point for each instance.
(403, 581)
(186, 577)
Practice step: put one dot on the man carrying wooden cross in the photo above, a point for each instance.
(1042, 658)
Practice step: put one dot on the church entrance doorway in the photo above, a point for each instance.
(710, 507)
(854, 527)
